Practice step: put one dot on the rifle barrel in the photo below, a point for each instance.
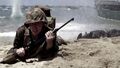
(54, 31)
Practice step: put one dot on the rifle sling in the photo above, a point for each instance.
(41, 46)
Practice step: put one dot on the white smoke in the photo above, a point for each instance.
(16, 8)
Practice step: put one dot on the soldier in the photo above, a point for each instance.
(33, 39)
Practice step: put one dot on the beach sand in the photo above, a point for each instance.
(83, 53)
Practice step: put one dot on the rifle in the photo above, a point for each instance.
(43, 39)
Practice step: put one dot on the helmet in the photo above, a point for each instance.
(35, 15)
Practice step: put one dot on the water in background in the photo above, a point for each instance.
(86, 20)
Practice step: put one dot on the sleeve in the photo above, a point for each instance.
(55, 47)
(19, 38)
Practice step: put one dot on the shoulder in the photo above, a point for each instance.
(21, 29)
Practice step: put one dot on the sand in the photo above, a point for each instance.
(83, 53)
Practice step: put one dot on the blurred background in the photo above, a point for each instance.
(89, 15)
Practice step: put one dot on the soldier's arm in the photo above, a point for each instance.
(49, 39)
(18, 41)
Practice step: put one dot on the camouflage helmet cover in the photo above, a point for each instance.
(34, 15)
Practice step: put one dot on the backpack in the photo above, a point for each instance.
(51, 20)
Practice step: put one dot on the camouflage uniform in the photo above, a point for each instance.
(23, 39)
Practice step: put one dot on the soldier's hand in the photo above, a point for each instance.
(49, 39)
(49, 35)
(21, 52)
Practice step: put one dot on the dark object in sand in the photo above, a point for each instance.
(93, 34)
(97, 34)
(100, 33)
(113, 33)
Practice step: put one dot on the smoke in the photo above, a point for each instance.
(16, 8)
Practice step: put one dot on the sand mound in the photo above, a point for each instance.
(84, 53)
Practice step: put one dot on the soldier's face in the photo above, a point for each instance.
(36, 27)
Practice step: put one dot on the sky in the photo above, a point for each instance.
(52, 2)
